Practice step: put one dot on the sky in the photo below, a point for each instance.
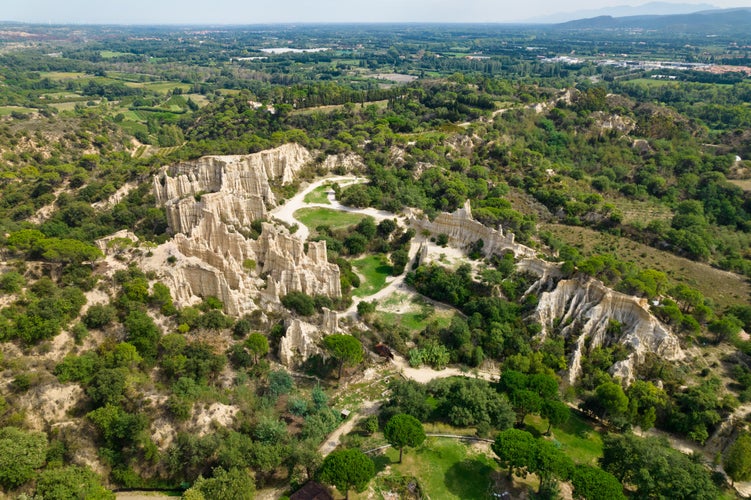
(299, 11)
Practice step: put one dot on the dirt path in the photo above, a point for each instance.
(425, 374)
(368, 408)
(285, 212)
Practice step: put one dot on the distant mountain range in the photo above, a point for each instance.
(647, 9)
(707, 21)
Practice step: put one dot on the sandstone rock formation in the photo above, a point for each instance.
(237, 187)
(463, 230)
(585, 309)
(211, 204)
(302, 340)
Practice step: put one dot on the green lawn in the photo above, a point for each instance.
(579, 440)
(335, 219)
(445, 469)
(415, 321)
(374, 269)
(319, 195)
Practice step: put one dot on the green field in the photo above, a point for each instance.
(7, 110)
(335, 219)
(319, 195)
(444, 468)
(374, 270)
(109, 54)
(415, 321)
(578, 439)
(160, 87)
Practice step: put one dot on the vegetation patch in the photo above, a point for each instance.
(577, 438)
(724, 288)
(335, 219)
(444, 468)
(319, 195)
(374, 269)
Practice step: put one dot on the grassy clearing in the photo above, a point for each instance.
(416, 321)
(199, 99)
(7, 110)
(374, 269)
(445, 469)
(61, 75)
(578, 439)
(65, 106)
(110, 54)
(319, 195)
(642, 211)
(722, 287)
(160, 87)
(335, 219)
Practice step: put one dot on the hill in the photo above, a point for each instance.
(723, 21)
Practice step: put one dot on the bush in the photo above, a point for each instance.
(300, 303)
(99, 316)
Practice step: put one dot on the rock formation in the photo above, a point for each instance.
(237, 187)
(302, 340)
(585, 310)
(211, 204)
(463, 230)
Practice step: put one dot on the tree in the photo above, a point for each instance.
(549, 463)
(344, 348)
(20, 454)
(725, 328)
(737, 459)
(610, 400)
(399, 260)
(347, 469)
(404, 430)
(591, 483)
(143, 333)
(556, 412)
(516, 450)
(234, 484)
(258, 345)
(71, 483)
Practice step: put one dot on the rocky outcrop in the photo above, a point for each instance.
(302, 340)
(463, 231)
(349, 162)
(237, 187)
(211, 204)
(592, 315)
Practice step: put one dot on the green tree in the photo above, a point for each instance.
(347, 469)
(21, 453)
(737, 459)
(71, 483)
(516, 450)
(404, 430)
(592, 483)
(258, 345)
(557, 413)
(143, 333)
(234, 484)
(346, 349)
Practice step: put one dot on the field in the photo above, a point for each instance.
(577, 437)
(7, 110)
(722, 287)
(319, 195)
(374, 270)
(444, 468)
(335, 219)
